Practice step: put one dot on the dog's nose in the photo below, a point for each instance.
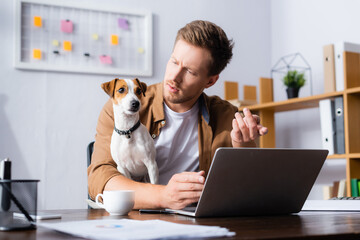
(134, 105)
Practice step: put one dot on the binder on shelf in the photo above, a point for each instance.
(327, 192)
(339, 125)
(327, 121)
(231, 90)
(342, 188)
(335, 188)
(339, 50)
(329, 68)
(266, 91)
(355, 187)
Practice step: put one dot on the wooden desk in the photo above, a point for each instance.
(310, 225)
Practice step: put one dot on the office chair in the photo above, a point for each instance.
(89, 150)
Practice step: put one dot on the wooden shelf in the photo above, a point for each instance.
(295, 103)
(299, 103)
(343, 156)
(337, 156)
(351, 96)
(354, 155)
(353, 90)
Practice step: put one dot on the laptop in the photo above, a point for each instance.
(257, 181)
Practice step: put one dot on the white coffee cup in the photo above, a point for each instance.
(119, 202)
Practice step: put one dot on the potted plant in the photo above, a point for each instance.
(293, 80)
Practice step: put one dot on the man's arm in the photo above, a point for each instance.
(102, 167)
(183, 189)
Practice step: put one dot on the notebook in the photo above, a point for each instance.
(257, 181)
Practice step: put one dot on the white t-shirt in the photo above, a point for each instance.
(177, 148)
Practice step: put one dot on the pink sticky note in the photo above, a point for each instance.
(66, 26)
(123, 23)
(105, 59)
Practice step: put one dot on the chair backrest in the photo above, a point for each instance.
(90, 149)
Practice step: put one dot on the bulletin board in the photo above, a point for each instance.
(53, 36)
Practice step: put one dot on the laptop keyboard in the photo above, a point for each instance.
(345, 198)
(189, 209)
(334, 204)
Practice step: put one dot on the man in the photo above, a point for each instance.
(186, 124)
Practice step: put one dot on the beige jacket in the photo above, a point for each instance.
(215, 124)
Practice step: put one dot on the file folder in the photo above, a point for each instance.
(327, 120)
(342, 188)
(339, 126)
(339, 49)
(329, 68)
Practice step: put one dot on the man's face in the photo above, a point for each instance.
(186, 76)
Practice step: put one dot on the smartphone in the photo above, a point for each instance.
(40, 215)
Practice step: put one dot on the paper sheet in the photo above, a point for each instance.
(123, 23)
(105, 59)
(36, 53)
(135, 229)
(55, 43)
(67, 46)
(37, 21)
(114, 39)
(66, 26)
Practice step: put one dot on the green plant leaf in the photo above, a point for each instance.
(294, 79)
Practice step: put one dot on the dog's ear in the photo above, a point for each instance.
(109, 87)
(142, 86)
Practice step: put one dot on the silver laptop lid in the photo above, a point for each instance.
(259, 181)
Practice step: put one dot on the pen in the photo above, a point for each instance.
(155, 211)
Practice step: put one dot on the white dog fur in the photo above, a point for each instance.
(134, 156)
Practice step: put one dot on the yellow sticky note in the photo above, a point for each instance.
(36, 53)
(55, 43)
(67, 46)
(95, 36)
(37, 21)
(141, 50)
(114, 40)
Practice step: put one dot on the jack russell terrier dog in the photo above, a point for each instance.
(132, 147)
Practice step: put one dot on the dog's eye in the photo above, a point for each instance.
(138, 91)
(121, 90)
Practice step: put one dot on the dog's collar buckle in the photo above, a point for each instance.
(127, 133)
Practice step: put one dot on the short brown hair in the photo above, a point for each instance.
(208, 35)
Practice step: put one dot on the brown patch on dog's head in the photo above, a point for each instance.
(116, 89)
(120, 91)
(140, 87)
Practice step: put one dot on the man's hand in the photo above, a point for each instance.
(246, 130)
(182, 189)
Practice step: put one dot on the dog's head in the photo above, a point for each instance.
(125, 94)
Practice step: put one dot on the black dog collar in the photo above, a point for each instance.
(127, 133)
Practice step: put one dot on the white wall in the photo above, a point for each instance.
(48, 118)
(306, 26)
